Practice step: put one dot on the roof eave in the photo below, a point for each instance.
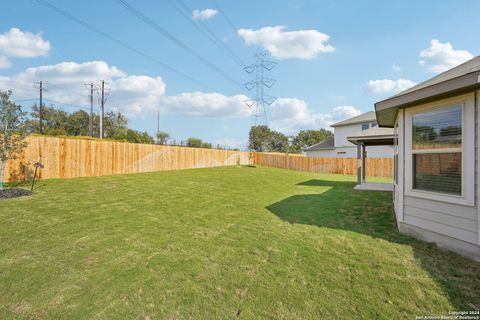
(319, 149)
(386, 110)
(340, 124)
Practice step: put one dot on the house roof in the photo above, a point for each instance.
(460, 79)
(364, 117)
(373, 136)
(324, 145)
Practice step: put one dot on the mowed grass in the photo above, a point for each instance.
(221, 243)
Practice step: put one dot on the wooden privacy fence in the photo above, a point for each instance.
(69, 158)
(378, 167)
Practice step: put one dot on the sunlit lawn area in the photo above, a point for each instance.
(222, 243)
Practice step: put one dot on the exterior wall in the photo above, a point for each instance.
(454, 226)
(351, 152)
(341, 134)
(343, 145)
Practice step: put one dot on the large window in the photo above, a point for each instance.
(437, 150)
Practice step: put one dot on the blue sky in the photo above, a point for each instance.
(334, 58)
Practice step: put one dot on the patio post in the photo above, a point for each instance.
(364, 156)
(359, 164)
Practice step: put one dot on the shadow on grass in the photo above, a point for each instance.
(371, 213)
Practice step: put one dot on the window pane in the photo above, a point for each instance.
(438, 172)
(441, 128)
(365, 126)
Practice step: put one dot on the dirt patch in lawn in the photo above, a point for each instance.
(14, 193)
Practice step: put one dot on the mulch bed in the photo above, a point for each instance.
(14, 193)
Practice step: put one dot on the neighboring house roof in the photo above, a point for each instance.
(373, 136)
(364, 117)
(460, 79)
(324, 145)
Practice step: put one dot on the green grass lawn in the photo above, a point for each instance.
(223, 243)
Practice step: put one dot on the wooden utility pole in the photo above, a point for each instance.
(158, 123)
(102, 105)
(90, 119)
(40, 108)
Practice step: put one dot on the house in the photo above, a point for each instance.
(437, 158)
(340, 147)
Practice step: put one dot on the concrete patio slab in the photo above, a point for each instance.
(374, 186)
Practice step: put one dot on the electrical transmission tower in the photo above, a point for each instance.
(259, 100)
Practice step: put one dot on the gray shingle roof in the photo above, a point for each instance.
(373, 133)
(461, 79)
(324, 145)
(373, 136)
(460, 70)
(364, 117)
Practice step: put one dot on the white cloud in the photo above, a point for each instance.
(16, 43)
(441, 56)
(65, 83)
(389, 86)
(4, 62)
(141, 95)
(302, 44)
(204, 14)
(346, 111)
(130, 94)
(207, 105)
(232, 143)
(396, 67)
(290, 115)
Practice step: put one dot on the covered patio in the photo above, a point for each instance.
(372, 137)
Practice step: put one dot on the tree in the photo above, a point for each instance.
(262, 139)
(307, 138)
(206, 145)
(114, 124)
(162, 137)
(278, 142)
(55, 121)
(135, 136)
(78, 123)
(194, 142)
(13, 131)
(258, 138)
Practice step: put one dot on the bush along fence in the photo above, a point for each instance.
(70, 158)
(376, 167)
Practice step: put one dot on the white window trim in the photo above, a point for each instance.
(399, 151)
(467, 196)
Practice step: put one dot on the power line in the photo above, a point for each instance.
(67, 104)
(54, 101)
(168, 35)
(185, 11)
(117, 41)
(229, 21)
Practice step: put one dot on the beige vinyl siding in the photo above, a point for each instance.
(452, 220)
(455, 220)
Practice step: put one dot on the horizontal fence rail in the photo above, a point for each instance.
(70, 158)
(376, 167)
